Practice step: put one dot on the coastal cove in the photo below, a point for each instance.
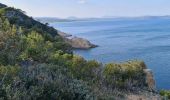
(121, 39)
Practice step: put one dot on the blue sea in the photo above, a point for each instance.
(123, 39)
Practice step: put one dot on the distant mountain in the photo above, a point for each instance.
(55, 19)
(113, 17)
(70, 19)
(52, 19)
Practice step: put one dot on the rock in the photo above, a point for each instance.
(143, 96)
(76, 42)
(80, 43)
(150, 79)
(64, 35)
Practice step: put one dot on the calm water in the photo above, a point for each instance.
(122, 39)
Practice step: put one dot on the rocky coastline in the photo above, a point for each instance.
(76, 42)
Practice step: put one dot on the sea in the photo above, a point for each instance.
(124, 39)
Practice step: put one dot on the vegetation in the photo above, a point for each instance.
(125, 75)
(165, 94)
(36, 64)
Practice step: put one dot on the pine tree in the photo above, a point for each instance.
(13, 30)
(6, 25)
(20, 31)
(1, 23)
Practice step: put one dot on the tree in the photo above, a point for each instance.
(13, 30)
(20, 31)
(1, 23)
(34, 46)
(6, 25)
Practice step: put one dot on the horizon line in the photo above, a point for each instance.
(74, 17)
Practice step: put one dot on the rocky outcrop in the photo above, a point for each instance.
(143, 96)
(62, 34)
(80, 43)
(76, 42)
(150, 79)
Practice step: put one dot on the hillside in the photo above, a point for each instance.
(2, 5)
(17, 17)
(37, 64)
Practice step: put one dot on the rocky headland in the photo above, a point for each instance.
(76, 42)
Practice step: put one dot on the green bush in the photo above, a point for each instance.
(8, 74)
(46, 82)
(165, 93)
(125, 75)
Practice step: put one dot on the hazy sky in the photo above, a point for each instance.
(91, 8)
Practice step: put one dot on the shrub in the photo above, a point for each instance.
(165, 93)
(46, 82)
(125, 75)
(8, 74)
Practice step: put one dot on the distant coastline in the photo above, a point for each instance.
(71, 19)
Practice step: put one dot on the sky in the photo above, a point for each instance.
(91, 8)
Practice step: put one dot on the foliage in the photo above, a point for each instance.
(165, 93)
(46, 82)
(125, 75)
(8, 73)
(18, 17)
